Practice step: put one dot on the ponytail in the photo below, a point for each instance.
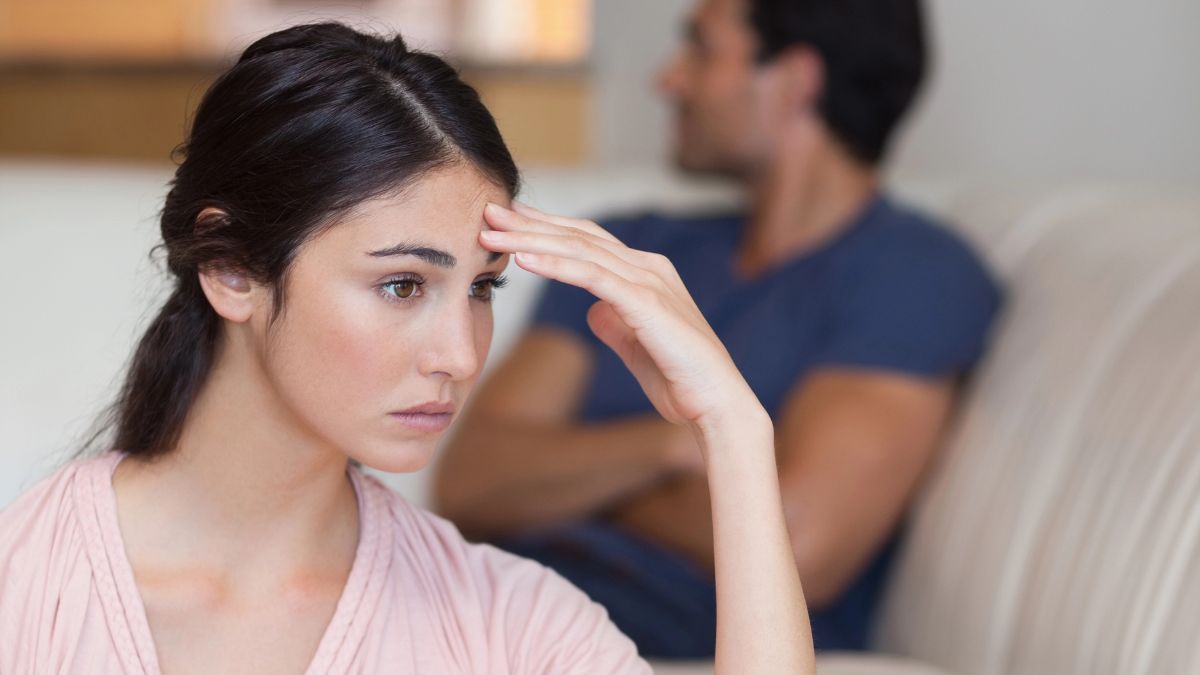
(169, 367)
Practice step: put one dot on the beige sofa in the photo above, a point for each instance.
(1059, 534)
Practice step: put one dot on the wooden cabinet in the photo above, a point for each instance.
(119, 78)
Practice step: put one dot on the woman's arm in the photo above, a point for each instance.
(645, 314)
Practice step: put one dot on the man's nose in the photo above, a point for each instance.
(669, 77)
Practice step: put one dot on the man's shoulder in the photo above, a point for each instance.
(899, 224)
(903, 239)
(909, 294)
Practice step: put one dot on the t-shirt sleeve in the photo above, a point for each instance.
(924, 307)
(563, 307)
(552, 628)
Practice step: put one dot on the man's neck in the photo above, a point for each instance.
(804, 196)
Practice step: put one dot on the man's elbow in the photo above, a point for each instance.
(471, 521)
(451, 494)
(477, 516)
(825, 575)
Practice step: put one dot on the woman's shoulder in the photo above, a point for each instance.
(427, 537)
(522, 602)
(41, 532)
(36, 519)
(45, 506)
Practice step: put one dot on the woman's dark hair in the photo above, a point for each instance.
(310, 122)
(874, 55)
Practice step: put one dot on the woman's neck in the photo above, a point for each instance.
(247, 488)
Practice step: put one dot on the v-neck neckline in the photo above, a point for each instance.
(866, 213)
(125, 612)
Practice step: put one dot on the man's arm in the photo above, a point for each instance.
(518, 459)
(851, 446)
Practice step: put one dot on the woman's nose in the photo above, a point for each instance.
(451, 348)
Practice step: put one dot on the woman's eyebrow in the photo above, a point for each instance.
(430, 255)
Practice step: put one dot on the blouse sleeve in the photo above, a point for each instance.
(44, 580)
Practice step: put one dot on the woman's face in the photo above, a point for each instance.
(386, 311)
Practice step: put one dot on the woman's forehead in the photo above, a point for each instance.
(443, 208)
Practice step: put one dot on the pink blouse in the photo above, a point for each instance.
(419, 598)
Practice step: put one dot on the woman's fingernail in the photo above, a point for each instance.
(490, 235)
(527, 258)
(494, 209)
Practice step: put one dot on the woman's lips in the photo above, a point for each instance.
(429, 417)
(427, 422)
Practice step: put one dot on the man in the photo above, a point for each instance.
(853, 319)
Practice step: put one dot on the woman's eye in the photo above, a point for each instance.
(402, 288)
(485, 289)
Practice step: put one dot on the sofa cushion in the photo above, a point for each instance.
(827, 664)
(1061, 530)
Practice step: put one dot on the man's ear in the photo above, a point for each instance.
(801, 72)
(229, 291)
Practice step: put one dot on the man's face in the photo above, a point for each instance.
(717, 90)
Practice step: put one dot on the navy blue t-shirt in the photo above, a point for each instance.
(891, 291)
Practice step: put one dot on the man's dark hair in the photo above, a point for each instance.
(874, 56)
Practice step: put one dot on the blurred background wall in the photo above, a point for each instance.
(1035, 89)
(1027, 89)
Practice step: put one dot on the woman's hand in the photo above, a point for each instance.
(644, 313)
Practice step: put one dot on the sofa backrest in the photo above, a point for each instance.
(1060, 531)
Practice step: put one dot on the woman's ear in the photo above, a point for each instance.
(230, 292)
(232, 295)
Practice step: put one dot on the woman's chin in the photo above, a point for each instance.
(399, 457)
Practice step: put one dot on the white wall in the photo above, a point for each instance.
(1028, 89)
(76, 286)
(631, 39)
(1062, 88)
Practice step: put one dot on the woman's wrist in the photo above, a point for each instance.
(735, 426)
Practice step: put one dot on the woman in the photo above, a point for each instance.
(336, 232)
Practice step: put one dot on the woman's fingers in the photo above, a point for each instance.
(634, 302)
(645, 314)
(509, 220)
(633, 266)
(505, 220)
(569, 246)
(563, 221)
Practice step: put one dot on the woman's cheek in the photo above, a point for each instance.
(333, 355)
(484, 328)
(359, 346)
